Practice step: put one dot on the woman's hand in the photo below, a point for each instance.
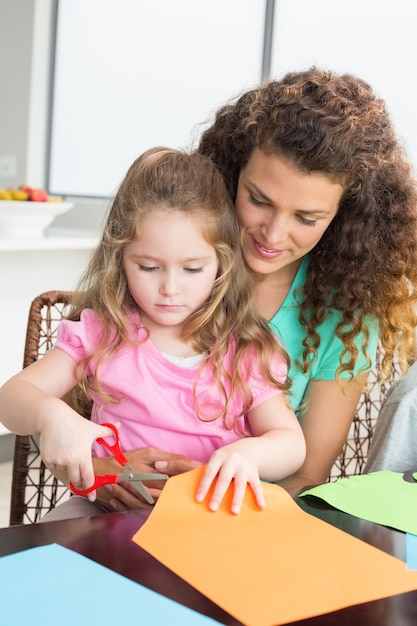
(125, 497)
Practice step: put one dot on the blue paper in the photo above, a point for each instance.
(411, 551)
(52, 585)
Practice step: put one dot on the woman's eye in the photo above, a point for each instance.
(307, 222)
(255, 201)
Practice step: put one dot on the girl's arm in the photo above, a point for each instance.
(30, 404)
(276, 450)
(325, 421)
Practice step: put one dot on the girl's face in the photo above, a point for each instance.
(170, 268)
(282, 212)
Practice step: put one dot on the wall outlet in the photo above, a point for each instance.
(8, 166)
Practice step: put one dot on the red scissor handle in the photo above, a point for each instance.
(114, 448)
(106, 479)
(116, 451)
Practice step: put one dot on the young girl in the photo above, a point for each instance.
(164, 338)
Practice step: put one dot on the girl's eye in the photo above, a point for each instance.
(193, 270)
(148, 268)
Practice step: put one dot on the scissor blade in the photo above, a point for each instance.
(132, 476)
(139, 486)
(135, 479)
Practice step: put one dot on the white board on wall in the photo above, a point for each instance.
(132, 74)
(374, 39)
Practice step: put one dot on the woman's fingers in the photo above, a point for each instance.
(124, 497)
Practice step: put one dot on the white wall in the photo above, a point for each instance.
(375, 39)
(16, 40)
(25, 53)
(26, 272)
(154, 74)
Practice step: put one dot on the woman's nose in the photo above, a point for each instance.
(275, 228)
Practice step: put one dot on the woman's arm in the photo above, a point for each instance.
(276, 449)
(125, 497)
(30, 404)
(325, 421)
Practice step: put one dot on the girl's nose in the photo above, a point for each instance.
(170, 285)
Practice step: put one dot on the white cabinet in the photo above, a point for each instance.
(26, 270)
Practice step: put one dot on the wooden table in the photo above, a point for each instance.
(107, 539)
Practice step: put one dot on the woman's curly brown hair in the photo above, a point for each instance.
(366, 261)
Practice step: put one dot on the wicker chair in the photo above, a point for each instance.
(351, 461)
(35, 491)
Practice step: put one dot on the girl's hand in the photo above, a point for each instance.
(66, 439)
(230, 464)
(30, 404)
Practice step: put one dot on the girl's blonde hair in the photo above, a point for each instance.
(163, 178)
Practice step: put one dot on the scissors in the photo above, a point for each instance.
(128, 473)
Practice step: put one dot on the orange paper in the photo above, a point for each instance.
(266, 567)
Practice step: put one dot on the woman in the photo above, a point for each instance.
(327, 207)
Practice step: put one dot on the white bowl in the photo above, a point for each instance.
(28, 220)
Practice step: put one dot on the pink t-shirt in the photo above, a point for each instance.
(158, 405)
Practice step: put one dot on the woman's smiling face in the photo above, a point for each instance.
(282, 211)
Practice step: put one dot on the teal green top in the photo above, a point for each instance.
(291, 333)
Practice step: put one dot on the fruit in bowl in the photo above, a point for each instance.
(26, 212)
(38, 195)
(31, 194)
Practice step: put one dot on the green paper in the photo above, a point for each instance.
(382, 497)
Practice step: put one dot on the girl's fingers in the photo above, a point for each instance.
(209, 474)
(224, 473)
(224, 479)
(257, 490)
(74, 477)
(87, 478)
(92, 496)
(238, 494)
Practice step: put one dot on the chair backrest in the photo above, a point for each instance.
(35, 491)
(352, 459)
